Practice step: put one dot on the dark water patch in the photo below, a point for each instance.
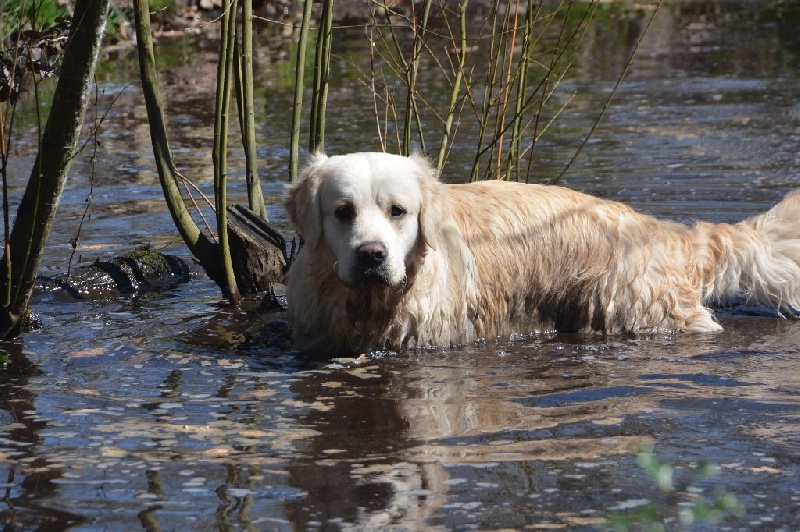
(587, 396)
(697, 379)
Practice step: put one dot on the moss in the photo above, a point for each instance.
(150, 263)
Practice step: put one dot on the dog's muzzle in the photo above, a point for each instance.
(371, 264)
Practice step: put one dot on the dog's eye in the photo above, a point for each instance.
(397, 211)
(345, 213)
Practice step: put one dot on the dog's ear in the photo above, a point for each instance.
(302, 202)
(431, 213)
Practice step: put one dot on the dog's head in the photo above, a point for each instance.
(371, 210)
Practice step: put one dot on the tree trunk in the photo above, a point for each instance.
(258, 259)
(259, 249)
(39, 203)
(204, 250)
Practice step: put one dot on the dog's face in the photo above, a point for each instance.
(367, 209)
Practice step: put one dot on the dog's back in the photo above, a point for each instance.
(556, 259)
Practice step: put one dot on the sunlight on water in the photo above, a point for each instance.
(172, 411)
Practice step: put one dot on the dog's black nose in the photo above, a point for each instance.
(371, 254)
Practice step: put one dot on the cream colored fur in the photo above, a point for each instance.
(494, 258)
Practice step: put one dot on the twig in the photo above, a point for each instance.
(93, 136)
(610, 96)
(506, 91)
(551, 68)
(371, 43)
(188, 186)
(412, 113)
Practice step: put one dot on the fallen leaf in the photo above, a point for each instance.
(86, 353)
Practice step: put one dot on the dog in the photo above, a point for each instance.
(392, 258)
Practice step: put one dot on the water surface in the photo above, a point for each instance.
(171, 410)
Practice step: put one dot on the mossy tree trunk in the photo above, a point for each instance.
(38, 206)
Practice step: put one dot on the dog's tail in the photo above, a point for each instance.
(757, 260)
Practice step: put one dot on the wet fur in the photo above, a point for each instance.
(495, 258)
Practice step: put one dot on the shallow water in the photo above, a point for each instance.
(171, 410)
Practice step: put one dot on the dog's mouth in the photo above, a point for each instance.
(375, 276)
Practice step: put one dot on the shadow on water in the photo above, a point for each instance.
(169, 410)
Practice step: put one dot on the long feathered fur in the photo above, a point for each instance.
(494, 259)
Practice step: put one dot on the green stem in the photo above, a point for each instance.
(5, 142)
(297, 108)
(244, 93)
(220, 151)
(201, 247)
(412, 112)
(322, 68)
(462, 57)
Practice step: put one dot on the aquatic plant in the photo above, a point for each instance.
(668, 480)
(489, 67)
(497, 66)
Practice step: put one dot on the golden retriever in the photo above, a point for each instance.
(394, 258)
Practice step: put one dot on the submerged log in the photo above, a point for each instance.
(139, 270)
(259, 262)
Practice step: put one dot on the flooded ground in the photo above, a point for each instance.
(170, 410)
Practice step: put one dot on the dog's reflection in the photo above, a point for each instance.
(390, 431)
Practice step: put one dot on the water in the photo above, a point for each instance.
(171, 410)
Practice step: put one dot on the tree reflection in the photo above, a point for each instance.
(28, 475)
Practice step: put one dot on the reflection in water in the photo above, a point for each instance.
(173, 411)
(495, 419)
(28, 474)
(352, 417)
(540, 430)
